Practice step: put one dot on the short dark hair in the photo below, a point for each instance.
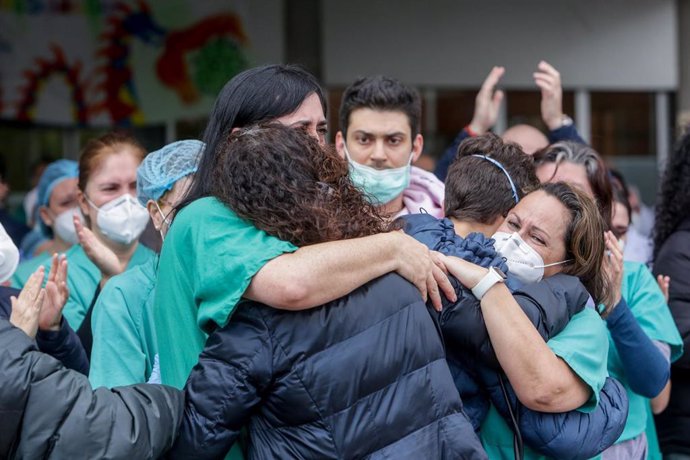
(478, 190)
(381, 93)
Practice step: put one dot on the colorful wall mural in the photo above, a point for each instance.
(124, 62)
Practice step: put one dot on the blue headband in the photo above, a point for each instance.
(500, 166)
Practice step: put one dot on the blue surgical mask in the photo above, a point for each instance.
(380, 186)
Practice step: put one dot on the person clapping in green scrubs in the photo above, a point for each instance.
(124, 338)
(112, 215)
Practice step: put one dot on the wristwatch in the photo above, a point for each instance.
(495, 275)
(565, 121)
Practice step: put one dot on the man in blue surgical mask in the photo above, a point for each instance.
(380, 138)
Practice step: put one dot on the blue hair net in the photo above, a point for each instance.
(161, 169)
(55, 173)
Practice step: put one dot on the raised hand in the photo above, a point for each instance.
(613, 265)
(27, 307)
(56, 295)
(548, 80)
(488, 102)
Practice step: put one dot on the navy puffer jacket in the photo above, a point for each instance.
(364, 376)
(549, 305)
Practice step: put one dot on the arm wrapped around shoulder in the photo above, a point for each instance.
(53, 411)
(549, 305)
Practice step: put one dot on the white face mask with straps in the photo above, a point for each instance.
(524, 263)
(122, 219)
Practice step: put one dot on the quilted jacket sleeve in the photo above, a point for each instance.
(65, 346)
(48, 411)
(569, 435)
(225, 386)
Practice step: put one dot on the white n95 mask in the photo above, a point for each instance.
(9, 256)
(122, 219)
(524, 263)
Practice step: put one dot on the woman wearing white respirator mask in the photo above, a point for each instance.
(643, 338)
(549, 231)
(112, 216)
(57, 204)
(124, 340)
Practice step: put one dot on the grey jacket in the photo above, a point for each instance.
(48, 411)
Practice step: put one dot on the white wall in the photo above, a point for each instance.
(612, 44)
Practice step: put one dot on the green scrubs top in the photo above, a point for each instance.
(83, 278)
(583, 344)
(124, 339)
(25, 269)
(648, 305)
(207, 261)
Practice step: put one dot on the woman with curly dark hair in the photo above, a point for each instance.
(362, 376)
(672, 258)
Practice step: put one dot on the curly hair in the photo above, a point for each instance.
(289, 186)
(673, 204)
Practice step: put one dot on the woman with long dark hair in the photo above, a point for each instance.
(364, 375)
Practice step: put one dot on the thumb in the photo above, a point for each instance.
(13, 300)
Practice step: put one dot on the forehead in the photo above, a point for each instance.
(379, 121)
(544, 211)
(65, 187)
(121, 165)
(309, 110)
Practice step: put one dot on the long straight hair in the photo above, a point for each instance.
(255, 95)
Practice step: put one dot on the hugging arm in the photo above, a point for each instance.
(542, 380)
(317, 274)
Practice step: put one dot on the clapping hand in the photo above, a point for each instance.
(27, 307)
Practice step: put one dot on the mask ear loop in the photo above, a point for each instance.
(555, 263)
(165, 220)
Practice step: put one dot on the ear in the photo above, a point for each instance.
(45, 216)
(417, 147)
(154, 214)
(340, 144)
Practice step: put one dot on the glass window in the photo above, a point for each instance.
(623, 123)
